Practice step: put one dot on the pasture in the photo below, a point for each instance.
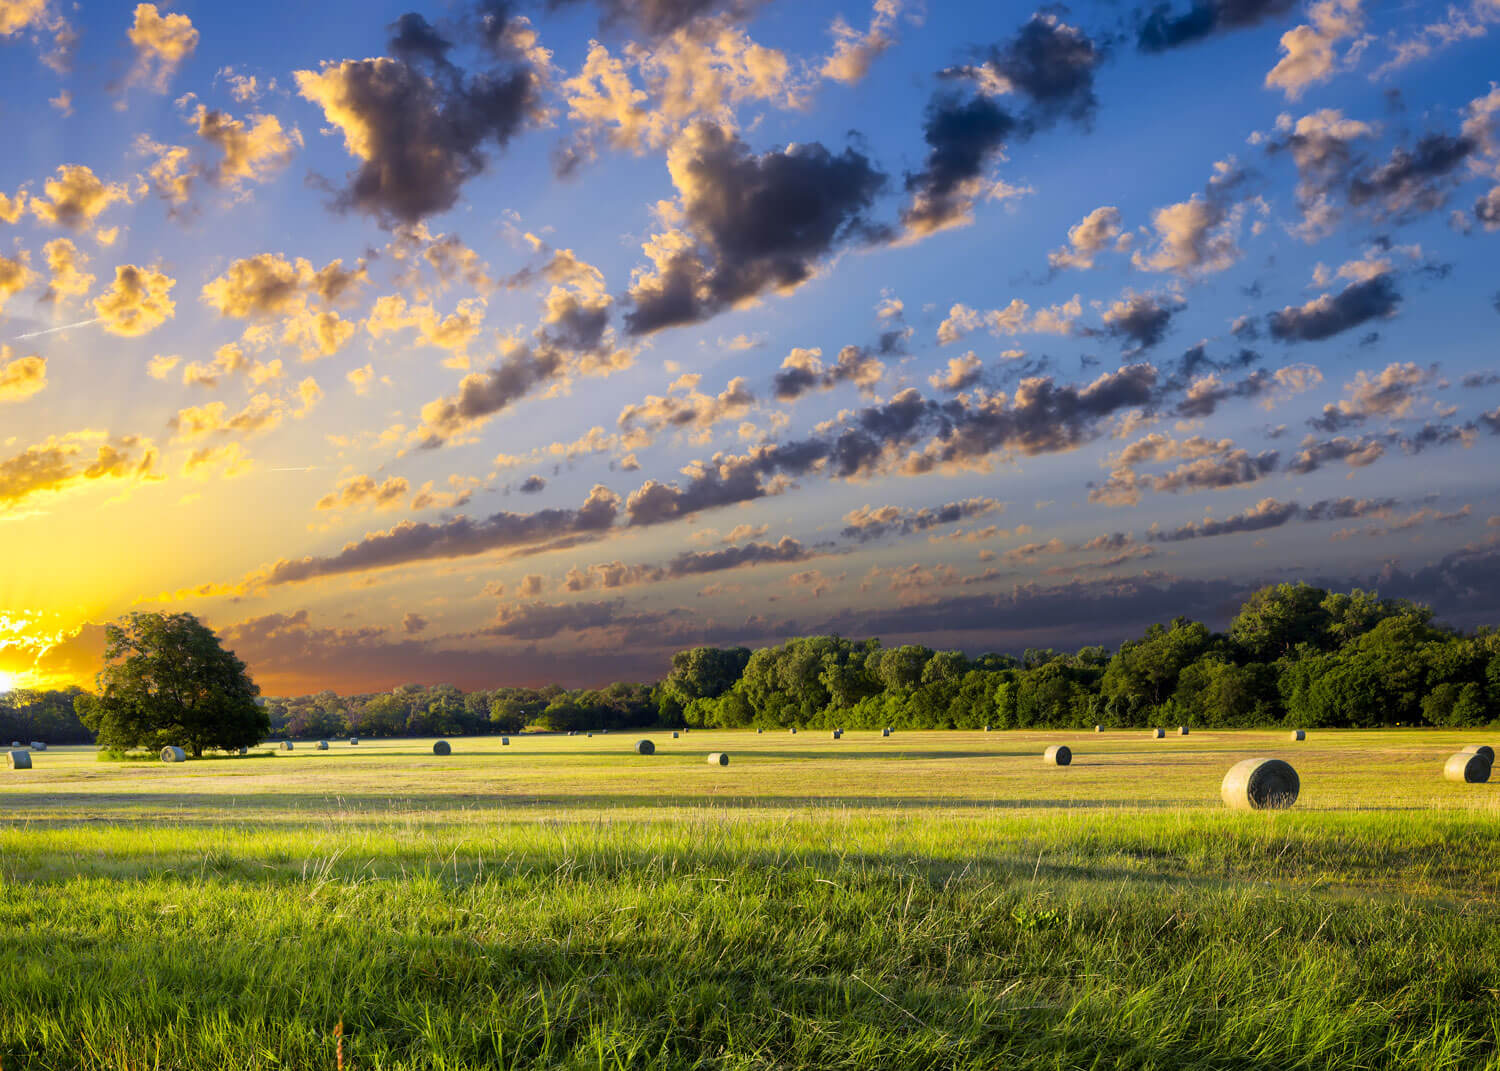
(927, 900)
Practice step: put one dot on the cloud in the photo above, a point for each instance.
(1162, 30)
(68, 462)
(1390, 394)
(690, 410)
(362, 491)
(458, 537)
(21, 377)
(413, 623)
(869, 523)
(1141, 319)
(162, 44)
(1015, 319)
(1322, 147)
(1413, 181)
(1206, 464)
(961, 374)
(661, 18)
(540, 621)
(15, 276)
(1198, 236)
(66, 264)
(532, 485)
(964, 137)
(1329, 314)
(33, 17)
(1308, 56)
(802, 371)
(1356, 453)
(1097, 232)
(419, 126)
(750, 224)
(854, 52)
(76, 198)
(1457, 24)
(138, 302)
(267, 284)
(1269, 513)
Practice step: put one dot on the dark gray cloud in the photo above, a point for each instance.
(868, 524)
(540, 621)
(426, 126)
(855, 364)
(1269, 513)
(661, 18)
(964, 137)
(759, 223)
(1330, 314)
(1053, 64)
(1142, 319)
(1162, 30)
(483, 394)
(458, 537)
(695, 563)
(532, 485)
(1356, 453)
(1413, 181)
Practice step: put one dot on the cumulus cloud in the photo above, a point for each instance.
(1391, 394)
(1308, 51)
(1141, 319)
(15, 276)
(684, 408)
(877, 522)
(1269, 513)
(961, 374)
(1329, 314)
(420, 126)
(66, 264)
(359, 492)
(1016, 318)
(854, 52)
(162, 44)
(750, 224)
(76, 197)
(802, 371)
(1203, 464)
(1098, 232)
(138, 302)
(21, 377)
(64, 463)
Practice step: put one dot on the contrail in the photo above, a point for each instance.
(54, 330)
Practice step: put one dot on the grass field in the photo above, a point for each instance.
(931, 900)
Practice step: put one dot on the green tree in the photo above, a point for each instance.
(167, 680)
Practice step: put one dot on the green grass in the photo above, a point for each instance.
(932, 900)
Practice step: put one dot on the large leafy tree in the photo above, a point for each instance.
(167, 680)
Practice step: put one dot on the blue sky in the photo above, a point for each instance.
(366, 281)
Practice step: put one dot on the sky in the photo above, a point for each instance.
(518, 342)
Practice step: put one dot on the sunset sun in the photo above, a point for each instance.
(8, 681)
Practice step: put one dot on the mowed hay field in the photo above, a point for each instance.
(931, 900)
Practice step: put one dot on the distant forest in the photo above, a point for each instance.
(1293, 655)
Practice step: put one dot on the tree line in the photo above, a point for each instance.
(1293, 654)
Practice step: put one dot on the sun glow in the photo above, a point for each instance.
(8, 681)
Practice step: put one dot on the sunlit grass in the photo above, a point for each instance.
(930, 900)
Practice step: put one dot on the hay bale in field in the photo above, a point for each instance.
(885, 732)
(986, 728)
(19, 760)
(1058, 755)
(354, 741)
(173, 754)
(1473, 749)
(645, 747)
(759, 731)
(505, 741)
(1098, 728)
(322, 745)
(1182, 730)
(244, 751)
(442, 747)
(718, 758)
(1470, 769)
(674, 736)
(1260, 784)
(1159, 734)
(794, 730)
(1299, 734)
(286, 745)
(37, 745)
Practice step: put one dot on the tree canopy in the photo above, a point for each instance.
(168, 681)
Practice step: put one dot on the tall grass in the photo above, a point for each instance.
(951, 904)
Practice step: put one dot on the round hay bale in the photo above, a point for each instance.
(1470, 769)
(244, 751)
(505, 741)
(354, 741)
(674, 736)
(286, 745)
(836, 734)
(986, 728)
(1159, 734)
(1260, 784)
(1182, 730)
(759, 731)
(322, 745)
(885, 732)
(442, 747)
(1299, 734)
(19, 760)
(588, 736)
(645, 747)
(37, 745)
(718, 758)
(1098, 728)
(1058, 755)
(1473, 749)
(173, 754)
(794, 730)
